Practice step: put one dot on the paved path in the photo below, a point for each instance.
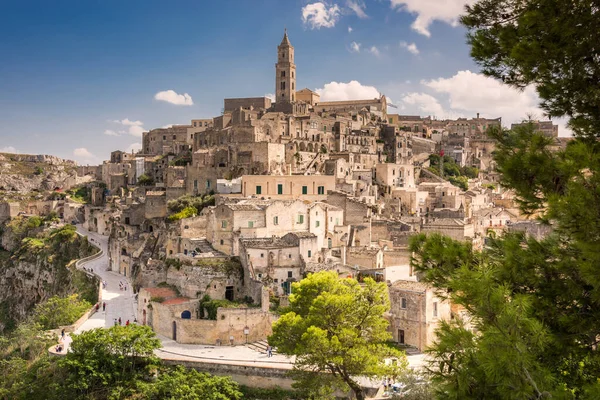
(123, 304)
(119, 303)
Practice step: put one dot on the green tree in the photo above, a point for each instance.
(101, 360)
(551, 44)
(188, 384)
(336, 330)
(145, 180)
(58, 311)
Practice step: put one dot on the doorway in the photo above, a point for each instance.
(400, 336)
(174, 330)
(229, 293)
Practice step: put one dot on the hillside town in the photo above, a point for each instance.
(237, 207)
(276, 190)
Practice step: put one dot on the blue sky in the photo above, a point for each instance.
(79, 78)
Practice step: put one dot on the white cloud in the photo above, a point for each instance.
(170, 96)
(428, 11)
(136, 131)
(270, 96)
(375, 51)
(320, 15)
(9, 149)
(358, 7)
(128, 122)
(350, 29)
(134, 147)
(471, 92)
(425, 104)
(353, 90)
(134, 128)
(83, 154)
(411, 47)
(355, 47)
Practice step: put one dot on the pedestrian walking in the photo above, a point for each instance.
(135, 320)
(127, 323)
(269, 351)
(119, 320)
(62, 334)
(104, 306)
(115, 322)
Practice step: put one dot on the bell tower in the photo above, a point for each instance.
(285, 72)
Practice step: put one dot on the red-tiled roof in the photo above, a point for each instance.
(176, 300)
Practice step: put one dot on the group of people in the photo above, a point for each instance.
(122, 286)
(119, 321)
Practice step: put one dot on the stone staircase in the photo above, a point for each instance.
(261, 347)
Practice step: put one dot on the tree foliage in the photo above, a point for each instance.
(58, 311)
(187, 201)
(103, 359)
(188, 384)
(551, 44)
(534, 303)
(336, 330)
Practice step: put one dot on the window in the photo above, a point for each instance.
(403, 301)
(222, 242)
(292, 85)
(329, 243)
(276, 280)
(259, 275)
(337, 221)
(300, 218)
(304, 189)
(282, 86)
(262, 255)
(279, 188)
(289, 256)
(290, 274)
(258, 189)
(276, 220)
(207, 184)
(223, 224)
(321, 190)
(283, 74)
(250, 224)
(317, 224)
(174, 137)
(194, 124)
(309, 254)
(435, 309)
(164, 137)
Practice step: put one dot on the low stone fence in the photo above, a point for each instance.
(248, 375)
(77, 324)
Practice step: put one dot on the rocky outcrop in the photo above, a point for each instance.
(24, 173)
(36, 263)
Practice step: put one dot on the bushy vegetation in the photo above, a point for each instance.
(187, 201)
(80, 195)
(58, 311)
(207, 307)
(145, 180)
(455, 174)
(103, 364)
(187, 212)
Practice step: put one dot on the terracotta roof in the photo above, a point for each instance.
(161, 292)
(176, 300)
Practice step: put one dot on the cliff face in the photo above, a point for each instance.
(36, 263)
(24, 173)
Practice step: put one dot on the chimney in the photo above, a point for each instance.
(477, 115)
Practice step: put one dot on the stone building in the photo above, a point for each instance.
(415, 313)
(304, 187)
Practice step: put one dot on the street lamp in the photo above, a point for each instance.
(246, 332)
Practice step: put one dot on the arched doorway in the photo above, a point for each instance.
(186, 315)
(174, 330)
(144, 317)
